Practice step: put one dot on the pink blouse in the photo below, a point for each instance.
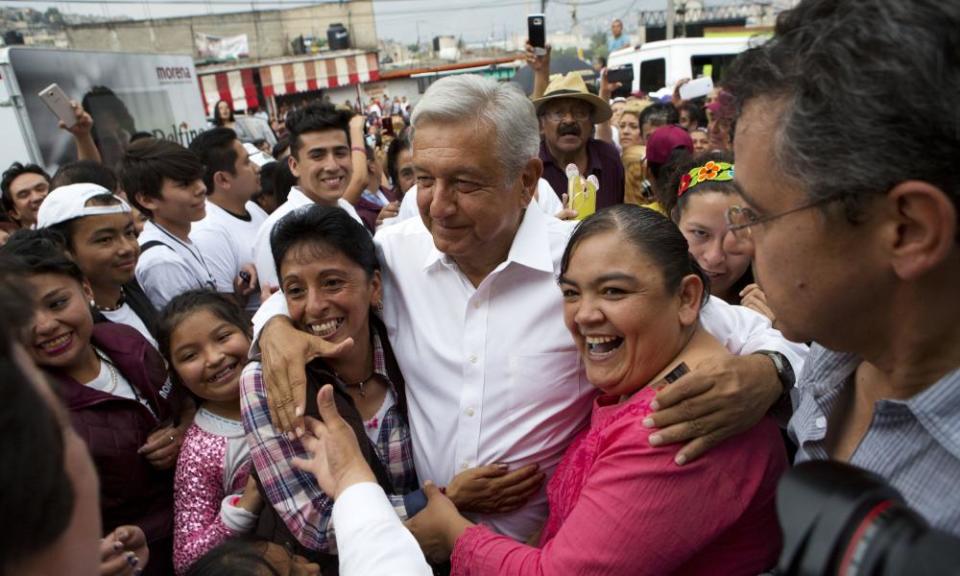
(214, 463)
(621, 506)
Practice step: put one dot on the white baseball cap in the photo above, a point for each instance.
(69, 202)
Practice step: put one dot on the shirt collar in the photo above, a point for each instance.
(297, 197)
(937, 408)
(530, 247)
(593, 156)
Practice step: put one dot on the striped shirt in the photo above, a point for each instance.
(914, 444)
(295, 495)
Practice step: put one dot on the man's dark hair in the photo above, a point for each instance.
(12, 173)
(32, 252)
(282, 145)
(658, 114)
(87, 172)
(147, 162)
(35, 489)
(321, 228)
(652, 233)
(215, 149)
(315, 117)
(869, 96)
(139, 136)
(283, 181)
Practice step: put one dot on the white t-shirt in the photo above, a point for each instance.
(167, 271)
(226, 241)
(263, 255)
(125, 315)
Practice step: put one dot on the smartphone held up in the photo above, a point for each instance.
(537, 33)
(58, 103)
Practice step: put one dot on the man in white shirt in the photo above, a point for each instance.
(225, 236)
(472, 305)
(320, 158)
(164, 181)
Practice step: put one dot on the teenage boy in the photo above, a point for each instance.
(98, 231)
(320, 159)
(225, 236)
(165, 181)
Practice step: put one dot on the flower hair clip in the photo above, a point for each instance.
(709, 172)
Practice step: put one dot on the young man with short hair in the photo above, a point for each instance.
(24, 187)
(321, 159)
(225, 236)
(164, 181)
(98, 231)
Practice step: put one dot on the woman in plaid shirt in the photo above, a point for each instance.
(330, 278)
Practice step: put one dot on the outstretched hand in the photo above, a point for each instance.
(286, 351)
(335, 458)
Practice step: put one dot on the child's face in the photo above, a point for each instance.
(105, 247)
(180, 202)
(62, 323)
(208, 353)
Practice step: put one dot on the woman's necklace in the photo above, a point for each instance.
(114, 379)
(358, 385)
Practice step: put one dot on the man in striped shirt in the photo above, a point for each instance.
(852, 213)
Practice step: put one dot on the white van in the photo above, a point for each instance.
(661, 64)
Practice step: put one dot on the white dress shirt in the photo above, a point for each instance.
(371, 539)
(492, 373)
(262, 254)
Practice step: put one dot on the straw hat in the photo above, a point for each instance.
(572, 86)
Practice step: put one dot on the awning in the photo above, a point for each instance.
(318, 74)
(235, 86)
(287, 76)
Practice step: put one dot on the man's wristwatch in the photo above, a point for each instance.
(784, 369)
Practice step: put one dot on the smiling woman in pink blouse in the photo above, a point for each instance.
(618, 505)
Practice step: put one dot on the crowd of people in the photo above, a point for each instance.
(387, 341)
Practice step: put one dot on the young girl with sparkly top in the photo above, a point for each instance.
(205, 338)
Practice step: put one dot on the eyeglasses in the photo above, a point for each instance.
(578, 114)
(740, 219)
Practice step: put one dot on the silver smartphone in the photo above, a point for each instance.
(58, 103)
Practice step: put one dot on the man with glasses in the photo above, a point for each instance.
(567, 113)
(846, 148)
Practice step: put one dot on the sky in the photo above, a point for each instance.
(474, 20)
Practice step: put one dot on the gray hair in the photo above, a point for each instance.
(502, 106)
(869, 91)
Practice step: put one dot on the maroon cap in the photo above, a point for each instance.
(664, 141)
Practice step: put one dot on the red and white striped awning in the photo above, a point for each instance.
(239, 86)
(235, 86)
(293, 77)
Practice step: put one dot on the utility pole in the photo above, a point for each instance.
(671, 15)
(543, 6)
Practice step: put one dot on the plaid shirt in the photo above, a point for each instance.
(294, 494)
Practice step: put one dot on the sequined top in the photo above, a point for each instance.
(213, 466)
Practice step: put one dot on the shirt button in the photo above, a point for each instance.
(476, 305)
(821, 422)
(464, 465)
(469, 412)
(473, 358)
